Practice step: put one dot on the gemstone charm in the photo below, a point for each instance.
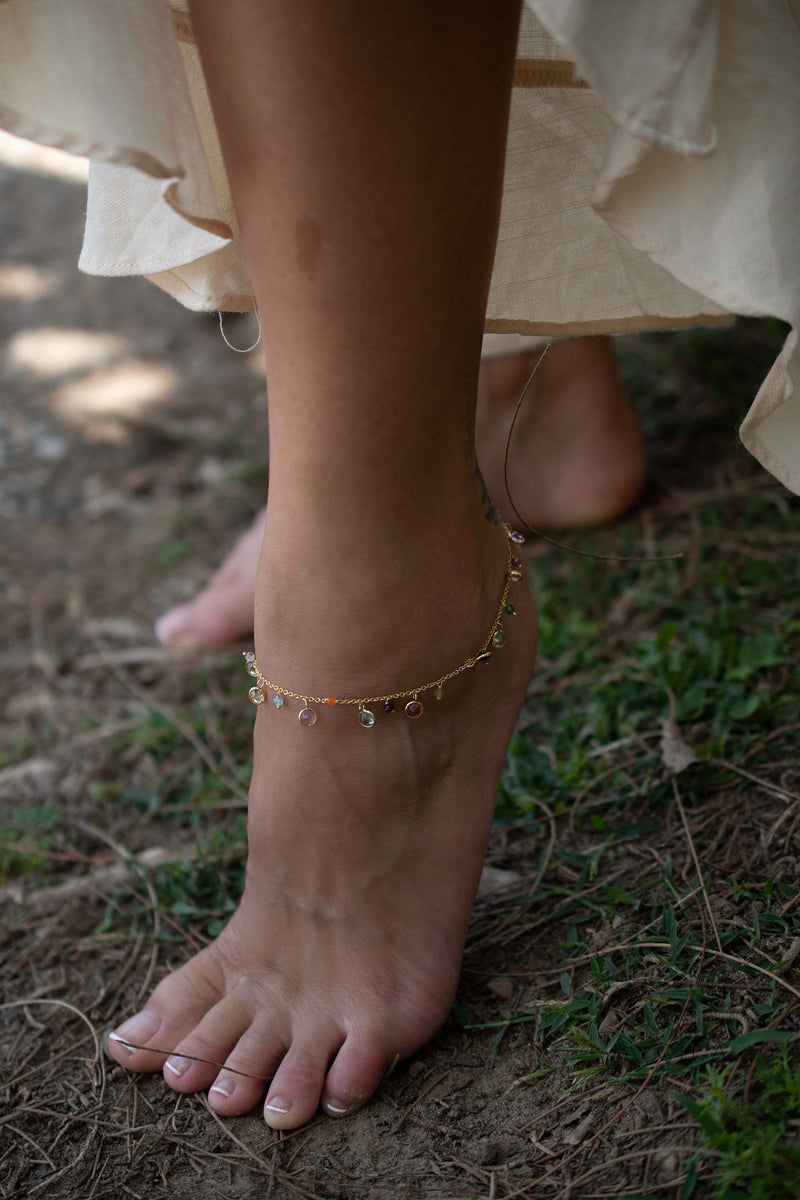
(519, 538)
(516, 562)
(256, 695)
(278, 701)
(414, 709)
(438, 692)
(510, 610)
(252, 669)
(307, 717)
(388, 707)
(366, 718)
(483, 658)
(515, 576)
(332, 700)
(499, 639)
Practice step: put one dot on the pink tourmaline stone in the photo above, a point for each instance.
(307, 717)
(516, 562)
(413, 709)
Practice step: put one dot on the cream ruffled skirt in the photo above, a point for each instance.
(652, 173)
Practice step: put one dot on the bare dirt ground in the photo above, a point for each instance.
(134, 449)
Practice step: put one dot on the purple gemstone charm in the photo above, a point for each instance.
(388, 707)
(516, 562)
(414, 709)
(307, 716)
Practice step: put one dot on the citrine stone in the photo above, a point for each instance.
(484, 658)
(256, 695)
(278, 701)
(438, 692)
(307, 717)
(366, 718)
(414, 709)
(252, 669)
(510, 609)
(499, 639)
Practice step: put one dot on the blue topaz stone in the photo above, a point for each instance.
(277, 701)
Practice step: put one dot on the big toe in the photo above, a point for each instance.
(176, 1007)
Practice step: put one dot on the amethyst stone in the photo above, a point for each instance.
(516, 562)
(307, 716)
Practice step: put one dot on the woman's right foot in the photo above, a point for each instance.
(365, 845)
(576, 459)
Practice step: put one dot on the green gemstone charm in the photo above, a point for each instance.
(499, 639)
(510, 610)
(438, 692)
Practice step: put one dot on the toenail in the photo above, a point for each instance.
(174, 626)
(336, 1107)
(277, 1104)
(136, 1031)
(178, 1065)
(224, 1087)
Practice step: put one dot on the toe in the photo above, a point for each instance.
(294, 1093)
(198, 1057)
(241, 1083)
(176, 1007)
(354, 1075)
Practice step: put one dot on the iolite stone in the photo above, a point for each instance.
(366, 718)
(388, 707)
(414, 709)
(499, 639)
(278, 701)
(307, 717)
(256, 695)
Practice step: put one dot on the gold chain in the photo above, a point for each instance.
(495, 639)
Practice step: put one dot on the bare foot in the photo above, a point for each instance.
(576, 459)
(365, 845)
(223, 611)
(576, 456)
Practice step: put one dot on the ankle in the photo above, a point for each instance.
(340, 616)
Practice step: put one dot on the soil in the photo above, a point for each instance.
(134, 449)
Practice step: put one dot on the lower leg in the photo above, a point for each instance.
(365, 149)
(576, 459)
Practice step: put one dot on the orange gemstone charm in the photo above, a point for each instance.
(332, 700)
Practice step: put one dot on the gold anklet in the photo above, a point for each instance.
(413, 707)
